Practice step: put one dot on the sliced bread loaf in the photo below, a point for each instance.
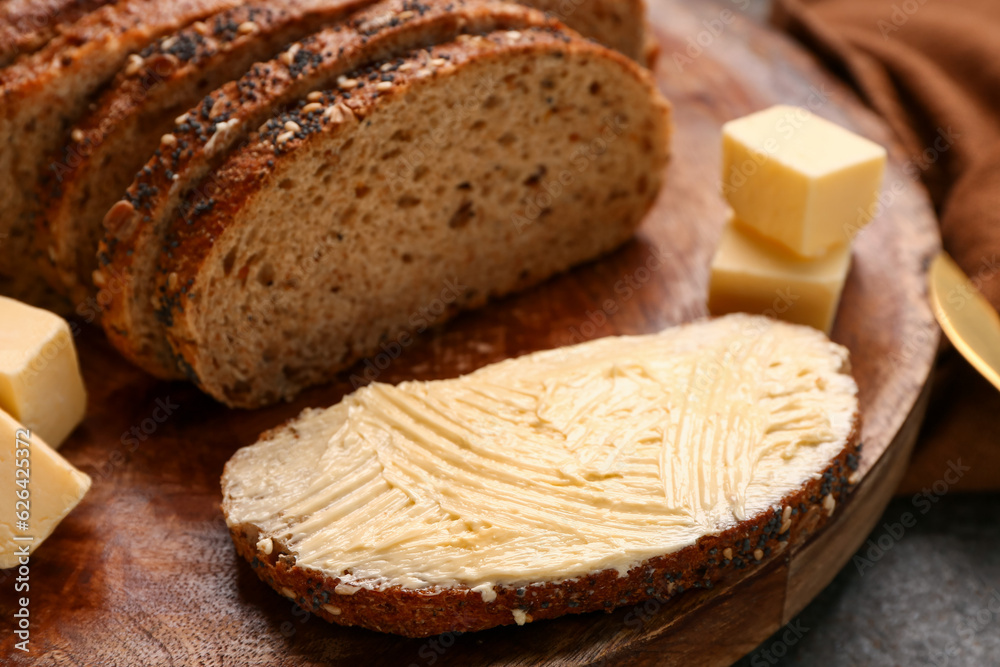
(115, 140)
(481, 166)
(106, 149)
(134, 229)
(574, 480)
(166, 79)
(44, 93)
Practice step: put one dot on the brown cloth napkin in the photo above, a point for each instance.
(931, 68)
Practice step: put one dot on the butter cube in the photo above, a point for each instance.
(752, 275)
(799, 179)
(40, 381)
(36, 495)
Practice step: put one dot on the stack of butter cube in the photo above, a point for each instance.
(800, 188)
(42, 399)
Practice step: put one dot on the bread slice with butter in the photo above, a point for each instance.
(572, 480)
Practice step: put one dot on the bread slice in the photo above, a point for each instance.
(568, 481)
(134, 228)
(28, 25)
(115, 140)
(351, 212)
(44, 93)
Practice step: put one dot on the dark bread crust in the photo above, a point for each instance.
(134, 230)
(190, 240)
(131, 24)
(418, 613)
(28, 25)
(166, 78)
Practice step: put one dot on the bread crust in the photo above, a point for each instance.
(423, 613)
(218, 49)
(618, 24)
(130, 24)
(28, 25)
(134, 230)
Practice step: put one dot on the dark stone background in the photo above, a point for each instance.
(931, 598)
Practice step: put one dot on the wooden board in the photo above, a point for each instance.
(143, 571)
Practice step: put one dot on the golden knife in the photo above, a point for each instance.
(966, 317)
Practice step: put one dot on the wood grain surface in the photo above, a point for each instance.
(143, 572)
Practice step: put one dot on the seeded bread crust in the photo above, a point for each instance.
(28, 25)
(134, 229)
(166, 79)
(193, 242)
(422, 613)
(44, 93)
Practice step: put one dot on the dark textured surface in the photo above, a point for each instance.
(931, 598)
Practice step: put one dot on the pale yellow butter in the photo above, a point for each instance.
(753, 275)
(37, 486)
(799, 179)
(40, 381)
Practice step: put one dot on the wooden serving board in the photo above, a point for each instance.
(143, 572)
